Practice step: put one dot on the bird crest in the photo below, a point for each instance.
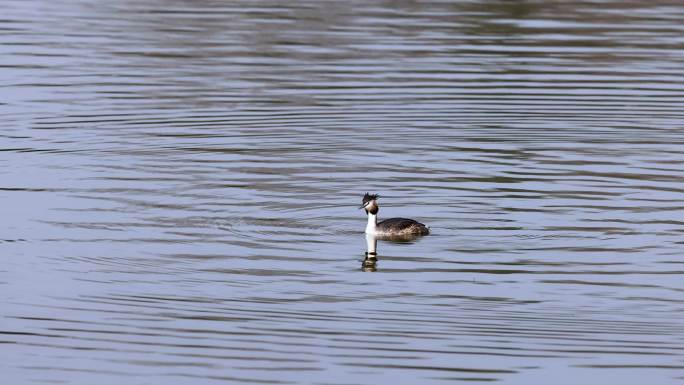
(370, 197)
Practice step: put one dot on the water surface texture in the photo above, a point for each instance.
(180, 181)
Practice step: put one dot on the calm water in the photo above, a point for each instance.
(179, 183)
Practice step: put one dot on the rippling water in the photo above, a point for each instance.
(179, 183)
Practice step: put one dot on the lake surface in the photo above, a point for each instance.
(180, 181)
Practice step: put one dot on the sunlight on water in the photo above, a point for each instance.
(180, 185)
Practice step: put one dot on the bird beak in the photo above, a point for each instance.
(363, 206)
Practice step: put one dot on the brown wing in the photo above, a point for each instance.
(402, 225)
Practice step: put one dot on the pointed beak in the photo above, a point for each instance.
(363, 206)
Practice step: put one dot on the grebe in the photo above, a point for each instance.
(393, 227)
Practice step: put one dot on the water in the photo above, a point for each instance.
(179, 184)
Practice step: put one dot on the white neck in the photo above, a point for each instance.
(371, 245)
(372, 223)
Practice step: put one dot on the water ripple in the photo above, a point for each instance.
(180, 185)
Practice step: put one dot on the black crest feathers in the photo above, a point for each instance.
(369, 197)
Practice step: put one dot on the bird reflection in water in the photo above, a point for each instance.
(370, 262)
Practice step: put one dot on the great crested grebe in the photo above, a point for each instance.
(393, 227)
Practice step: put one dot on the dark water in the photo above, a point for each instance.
(179, 183)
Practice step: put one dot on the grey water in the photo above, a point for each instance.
(180, 182)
